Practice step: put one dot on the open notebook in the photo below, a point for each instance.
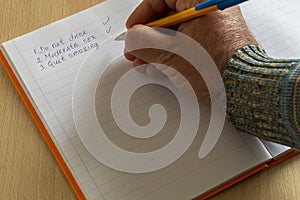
(45, 64)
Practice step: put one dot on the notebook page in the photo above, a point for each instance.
(275, 24)
(193, 175)
(47, 60)
(49, 80)
(276, 149)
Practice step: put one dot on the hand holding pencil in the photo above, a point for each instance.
(220, 33)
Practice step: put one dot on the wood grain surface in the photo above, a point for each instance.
(27, 167)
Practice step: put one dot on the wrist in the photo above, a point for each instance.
(225, 32)
(259, 95)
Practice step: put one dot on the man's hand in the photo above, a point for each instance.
(221, 33)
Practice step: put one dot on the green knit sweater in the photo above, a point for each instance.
(263, 95)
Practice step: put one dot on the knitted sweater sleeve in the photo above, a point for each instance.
(263, 95)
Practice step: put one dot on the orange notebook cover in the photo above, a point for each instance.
(68, 173)
(232, 151)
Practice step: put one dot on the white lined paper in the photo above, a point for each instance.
(51, 91)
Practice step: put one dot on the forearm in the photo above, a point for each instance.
(263, 95)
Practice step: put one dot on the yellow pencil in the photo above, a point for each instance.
(197, 11)
(181, 17)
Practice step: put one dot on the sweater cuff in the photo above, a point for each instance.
(263, 95)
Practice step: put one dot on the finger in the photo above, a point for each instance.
(150, 69)
(153, 72)
(147, 43)
(128, 56)
(140, 39)
(149, 10)
(140, 65)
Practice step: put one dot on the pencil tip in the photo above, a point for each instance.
(121, 37)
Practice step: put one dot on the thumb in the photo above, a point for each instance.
(155, 46)
(147, 43)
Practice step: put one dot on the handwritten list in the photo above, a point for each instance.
(64, 49)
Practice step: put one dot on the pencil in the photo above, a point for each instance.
(181, 17)
(186, 15)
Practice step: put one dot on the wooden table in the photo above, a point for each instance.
(28, 169)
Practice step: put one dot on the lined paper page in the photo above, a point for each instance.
(194, 176)
(275, 24)
(275, 149)
(47, 61)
